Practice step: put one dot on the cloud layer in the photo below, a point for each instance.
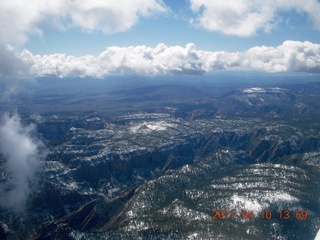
(22, 152)
(245, 18)
(20, 19)
(162, 60)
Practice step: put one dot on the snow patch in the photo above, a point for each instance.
(261, 202)
(262, 90)
(254, 89)
(147, 127)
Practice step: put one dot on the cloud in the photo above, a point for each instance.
(163, 60)
(13, 72)
(245, 18)
(10, 65)
(290, 56)
(19, 19)
(135, 59)
(22, 152)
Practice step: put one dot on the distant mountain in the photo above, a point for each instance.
(163, 92)
(269, 102)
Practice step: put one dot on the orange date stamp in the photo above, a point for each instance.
(264, 214)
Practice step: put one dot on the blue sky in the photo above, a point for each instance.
(172, 28)
(153, 37)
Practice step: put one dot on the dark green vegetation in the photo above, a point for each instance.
(181, 152)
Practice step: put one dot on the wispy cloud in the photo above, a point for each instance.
(13, 72)
(22, 152)
(162, 60)
(10, 65)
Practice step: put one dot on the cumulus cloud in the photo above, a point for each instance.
(290, 56)
(162, 60)
(19, 19)
(245, 18)
(22, 152)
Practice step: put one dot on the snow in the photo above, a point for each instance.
(261, 202)
(254, 89)
(240, 202)
(147, 127)
(318, 236)
(262, 90)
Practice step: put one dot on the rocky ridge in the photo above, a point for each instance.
(99, 174)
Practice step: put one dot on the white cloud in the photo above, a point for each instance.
(245, 18)
(20, 18)
(137, 59)
(162, 60)
(290, 56)
(22, 153)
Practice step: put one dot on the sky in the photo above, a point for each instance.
(96, 38)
